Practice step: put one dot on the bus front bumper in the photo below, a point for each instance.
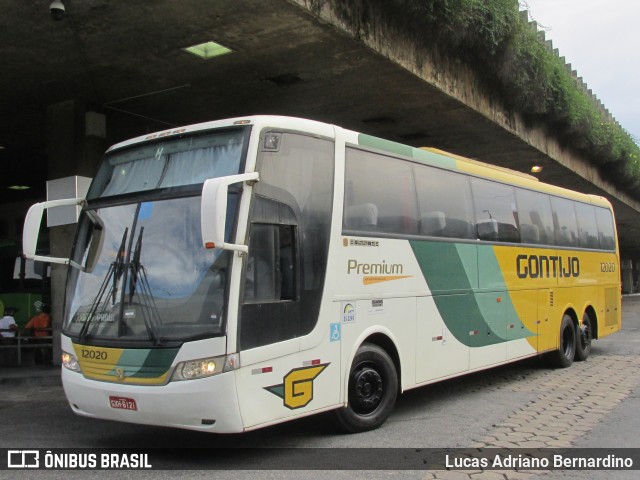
(207, 404)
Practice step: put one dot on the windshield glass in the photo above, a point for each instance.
(141, 273)
(151, 280)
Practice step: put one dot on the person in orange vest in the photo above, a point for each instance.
(38, 325)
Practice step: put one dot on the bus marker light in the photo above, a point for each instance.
(232, 362)
(436, 339)
(258, 371)
(209, 245)
(474, 332)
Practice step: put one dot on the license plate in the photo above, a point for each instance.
(123, 403)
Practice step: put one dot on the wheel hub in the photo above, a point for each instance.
(368, 390)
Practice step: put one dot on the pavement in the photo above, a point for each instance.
(593, 404)
(42, 375)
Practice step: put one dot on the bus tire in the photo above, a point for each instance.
(373, 389)
(584, 335)
(564, 355)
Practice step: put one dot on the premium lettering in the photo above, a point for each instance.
(543, 266)
(383, 268)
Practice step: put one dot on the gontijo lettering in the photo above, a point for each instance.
(542, 266)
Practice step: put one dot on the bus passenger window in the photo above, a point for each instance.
(444, 201)
(496, 212)
(379, 194)
(606, 231)
(564, 219)
(587, 227)
(534, 215)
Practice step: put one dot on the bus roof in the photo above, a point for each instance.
(427, 155)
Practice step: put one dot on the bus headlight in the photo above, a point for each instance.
(204, 367)
(70, 362)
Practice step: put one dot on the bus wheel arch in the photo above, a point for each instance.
(389, 346)
(585, 333)
(564, 355)
(373, 385)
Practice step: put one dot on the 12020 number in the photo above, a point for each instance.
(607, 267)
(94, 354)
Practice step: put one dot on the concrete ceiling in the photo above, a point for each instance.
(125, 59)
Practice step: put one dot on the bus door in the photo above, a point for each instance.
(282, 284)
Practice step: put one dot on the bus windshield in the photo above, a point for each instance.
(145, 276)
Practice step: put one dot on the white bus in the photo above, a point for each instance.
(236, 274)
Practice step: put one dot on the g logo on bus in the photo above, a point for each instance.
(296, 390)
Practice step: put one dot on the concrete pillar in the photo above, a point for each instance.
(75, 145)
(627, 276)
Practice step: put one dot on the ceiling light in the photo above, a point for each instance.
(208, 50)
(19, 187)
(536, 169)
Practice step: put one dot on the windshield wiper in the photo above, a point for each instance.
(135, 266)
(138, 274)
(113, 275)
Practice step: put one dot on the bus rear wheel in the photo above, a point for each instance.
(373, 389)
(584, 335)
(564, 355)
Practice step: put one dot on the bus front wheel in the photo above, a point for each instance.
(373, 389)
(564, 355)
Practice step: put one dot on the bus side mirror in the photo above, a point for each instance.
(32, 229)
(213, 210)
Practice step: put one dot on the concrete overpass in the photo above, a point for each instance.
(112, 70)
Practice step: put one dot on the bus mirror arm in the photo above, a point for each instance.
(32, 228)
(213, 211)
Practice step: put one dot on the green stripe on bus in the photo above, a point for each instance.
(148, 363)
(429, 158)
(385, 145)
(450, 271)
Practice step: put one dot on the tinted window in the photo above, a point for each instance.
(534, 217)
(495, 210)
(444, 202)
(271, 270)
(587, 227)
(606, 233)
(288, 238)
(379, 194)
(564, 219)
